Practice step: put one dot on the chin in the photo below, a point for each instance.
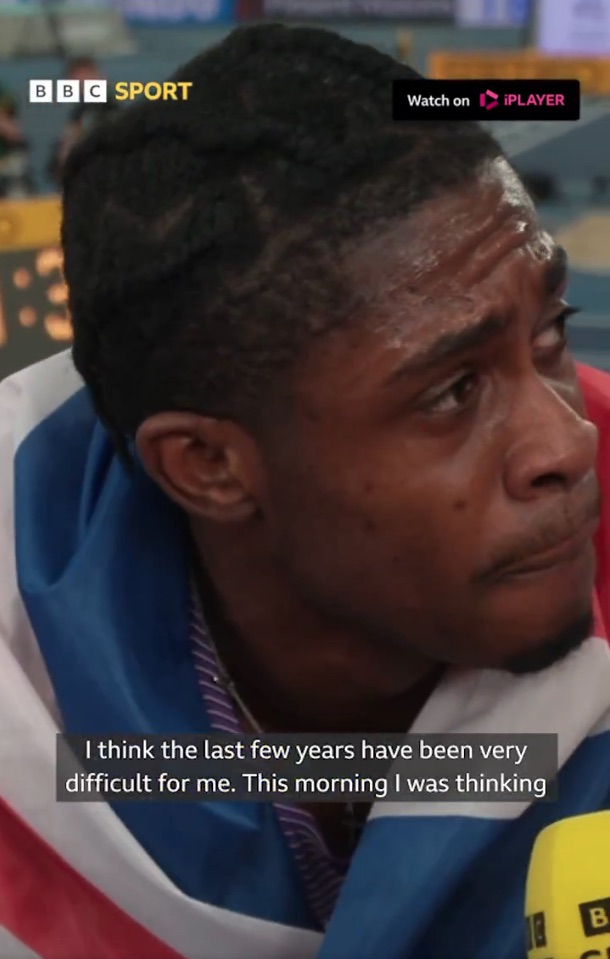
(553, 648)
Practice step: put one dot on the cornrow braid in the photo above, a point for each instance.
(202, 238)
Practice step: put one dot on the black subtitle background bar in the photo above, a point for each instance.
(472, 90)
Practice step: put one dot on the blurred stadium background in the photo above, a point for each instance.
(567, 165)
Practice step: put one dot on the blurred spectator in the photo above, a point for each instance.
(249, 9)
(14, 155)
(83, 117)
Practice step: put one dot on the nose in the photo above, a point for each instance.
(554, 447)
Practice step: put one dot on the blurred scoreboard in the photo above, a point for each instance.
(33, 303)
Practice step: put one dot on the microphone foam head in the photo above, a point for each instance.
(568, 890)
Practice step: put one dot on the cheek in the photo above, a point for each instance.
(398, 518)
(364, 527)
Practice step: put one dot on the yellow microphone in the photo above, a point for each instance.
(567, 899)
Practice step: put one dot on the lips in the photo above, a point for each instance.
(564, 552)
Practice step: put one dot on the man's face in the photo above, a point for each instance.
(438, 490)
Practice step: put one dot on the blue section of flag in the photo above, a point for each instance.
(102, 570)
(454, 887)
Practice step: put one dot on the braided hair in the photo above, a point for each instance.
(203, 238)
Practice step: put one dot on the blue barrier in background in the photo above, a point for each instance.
(168, 12)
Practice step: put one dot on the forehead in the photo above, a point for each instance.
(452, 244)
(471, 252)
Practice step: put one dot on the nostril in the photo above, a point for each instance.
(549, 479)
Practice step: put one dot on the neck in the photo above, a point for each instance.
(296, 670)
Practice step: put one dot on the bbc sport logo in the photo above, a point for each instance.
(97, 91)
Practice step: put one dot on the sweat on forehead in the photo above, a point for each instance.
(467, 216)
(463, 296)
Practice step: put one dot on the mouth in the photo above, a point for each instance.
(564, 553)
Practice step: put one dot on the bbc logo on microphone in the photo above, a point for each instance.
(595, 917)
(535, 928)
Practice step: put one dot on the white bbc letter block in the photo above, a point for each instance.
(68, 91)
(40, 91)
(95, 91)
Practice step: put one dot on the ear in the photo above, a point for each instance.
(211, 468)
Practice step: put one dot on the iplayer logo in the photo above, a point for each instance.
(489, 100)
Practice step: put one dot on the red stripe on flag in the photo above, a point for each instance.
(56, 912)
(595, 387)
(599, 628)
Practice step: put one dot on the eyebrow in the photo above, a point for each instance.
(451, 344)
(474, 337)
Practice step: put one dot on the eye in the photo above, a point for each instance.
(553, 338)
(454, 397)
